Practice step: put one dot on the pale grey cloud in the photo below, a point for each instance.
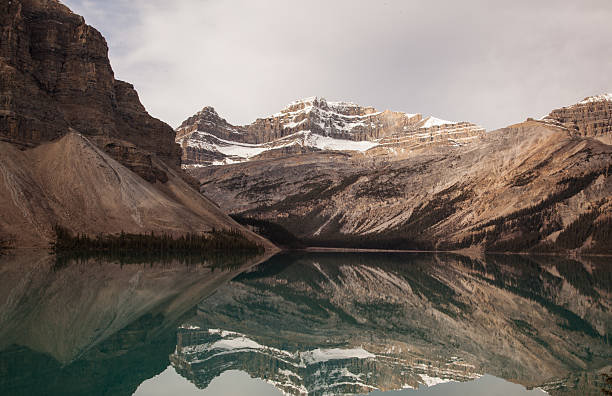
(491, 62)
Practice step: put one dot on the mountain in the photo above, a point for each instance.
(314, 124)
(77, 148)
(56, 76)
(72, 182)
(540, 185)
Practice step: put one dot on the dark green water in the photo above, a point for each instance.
(324, 323)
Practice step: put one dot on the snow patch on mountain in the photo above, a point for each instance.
(433, 121)
(329, 143)
(239, 152)
(607, 97)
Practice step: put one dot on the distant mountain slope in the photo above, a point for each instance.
(315, 124)
(537, 185)
(94, 160)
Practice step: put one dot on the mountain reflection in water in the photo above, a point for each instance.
(307, 323)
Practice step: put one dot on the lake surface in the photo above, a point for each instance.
(305, 323)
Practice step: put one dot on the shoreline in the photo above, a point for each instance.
(317, 249)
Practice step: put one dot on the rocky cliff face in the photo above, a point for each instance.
(56, 76)
(536, 185)
(77, 148)
(315, 124)
(591, 117)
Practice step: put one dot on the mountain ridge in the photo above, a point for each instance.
(313, 124)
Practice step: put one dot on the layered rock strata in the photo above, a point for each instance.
(590, 117)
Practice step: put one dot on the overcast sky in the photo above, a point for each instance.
(490, 62)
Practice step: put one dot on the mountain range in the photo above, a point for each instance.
(341, 175)
(78, 149)
(314, 124)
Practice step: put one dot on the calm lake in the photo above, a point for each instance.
(305, 324)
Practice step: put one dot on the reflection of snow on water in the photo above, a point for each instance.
(324, 355)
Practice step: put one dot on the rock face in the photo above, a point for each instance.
(77, 148)
(56, 76)
(591, 117)
(537, 185)
(315, 124)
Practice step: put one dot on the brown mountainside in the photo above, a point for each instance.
(537, 185)
(77, 148)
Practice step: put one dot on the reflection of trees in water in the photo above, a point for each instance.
(287, 303)
(221, 260)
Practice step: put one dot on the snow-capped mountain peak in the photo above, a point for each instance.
(314, 124)
(607, 97)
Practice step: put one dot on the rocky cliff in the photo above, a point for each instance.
(537, 185)
(315, 124)
(590, 117)
(77, 148)
(56, 76)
